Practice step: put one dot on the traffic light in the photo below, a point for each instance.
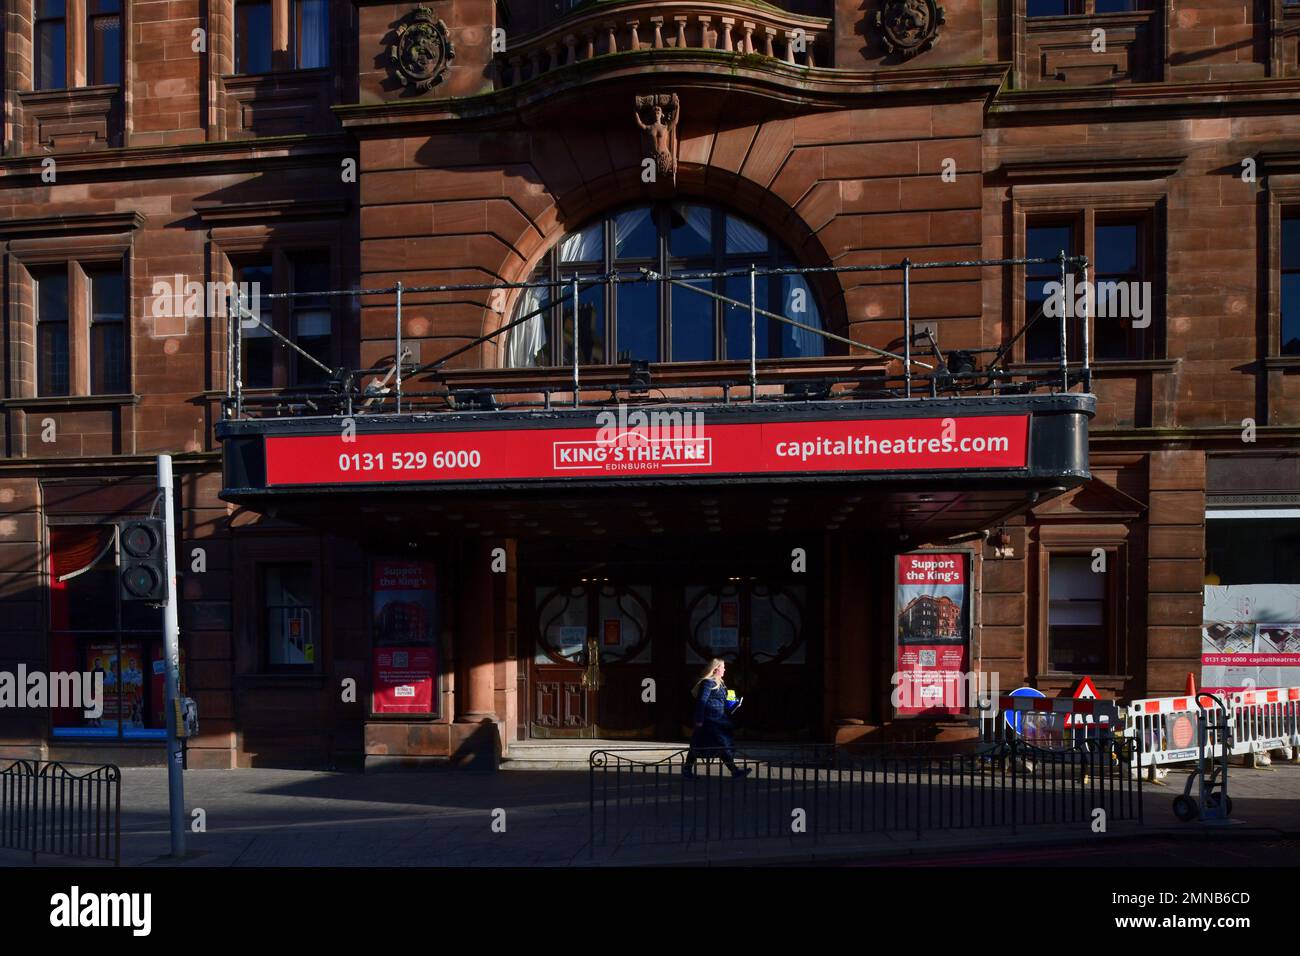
(142, 574)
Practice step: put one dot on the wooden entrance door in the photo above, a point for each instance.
(592, 650)
(763, 630)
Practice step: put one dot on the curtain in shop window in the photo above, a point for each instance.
(529, 339)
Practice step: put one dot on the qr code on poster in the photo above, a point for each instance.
(401, 659)
(928, 659)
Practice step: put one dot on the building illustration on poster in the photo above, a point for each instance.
(932, 635)
(405, 654)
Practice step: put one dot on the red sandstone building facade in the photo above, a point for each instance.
(320, 145)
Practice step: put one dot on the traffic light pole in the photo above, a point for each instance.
(172, 655)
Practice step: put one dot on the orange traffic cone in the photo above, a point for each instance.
(1201, 701)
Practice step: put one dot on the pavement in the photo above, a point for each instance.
(264, 817)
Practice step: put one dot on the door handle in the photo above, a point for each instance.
(591, 676)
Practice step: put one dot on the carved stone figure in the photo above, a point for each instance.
(657, 116)
(423, 50)
(909, 27)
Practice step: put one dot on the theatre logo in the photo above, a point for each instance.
(58, 690)
(638, 442)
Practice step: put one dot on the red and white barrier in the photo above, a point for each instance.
(1260, 721)
(1264, 720)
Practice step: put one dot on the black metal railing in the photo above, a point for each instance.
(919, 366)
(61, 809)
(820, 791)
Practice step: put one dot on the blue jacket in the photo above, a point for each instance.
(711, 704)
(712, 716)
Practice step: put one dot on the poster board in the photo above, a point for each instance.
(932, 615)
(1250, 637)
(404, 666)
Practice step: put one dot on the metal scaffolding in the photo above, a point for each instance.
(955, 372)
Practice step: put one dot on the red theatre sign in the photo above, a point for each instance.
(750, 448)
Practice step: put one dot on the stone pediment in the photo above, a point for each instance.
(1093, 500)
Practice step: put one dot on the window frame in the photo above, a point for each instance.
(550, 268)
(284, 52)
(281, 257)
(80, 62)
(1116, 612)
(90, 270)
(39, 275)
(240, 45)
(312, 567)
(119, 634)
(1287, 208)
(1085, 8)
(68, 17)
(92, 61)
(1149, 206)
(295, 14)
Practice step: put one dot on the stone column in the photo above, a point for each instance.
(475, 636)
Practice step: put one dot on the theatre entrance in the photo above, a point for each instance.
(614, 637)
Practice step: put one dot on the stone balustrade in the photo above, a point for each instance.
(634, 27)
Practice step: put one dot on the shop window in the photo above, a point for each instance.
(632, 320)
(290, 634)
(93, 630)
(53, 359)
(108, 363)
(311, 34)
(253, 36)
(1079, 616)
(104, 42)
(1289, 339)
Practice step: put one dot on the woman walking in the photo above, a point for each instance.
(712, 734)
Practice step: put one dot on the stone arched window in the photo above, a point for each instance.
(627, 320)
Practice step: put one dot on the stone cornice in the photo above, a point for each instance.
(219, 213)
(1072, 165)
(1279, 161)
(1244, 96)
(685, 70)
(80, 224)
(136, 162)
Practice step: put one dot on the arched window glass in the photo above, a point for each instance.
(619, 322)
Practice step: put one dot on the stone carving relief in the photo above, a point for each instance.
(657, 116)
(909, 27)
(423, 50)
